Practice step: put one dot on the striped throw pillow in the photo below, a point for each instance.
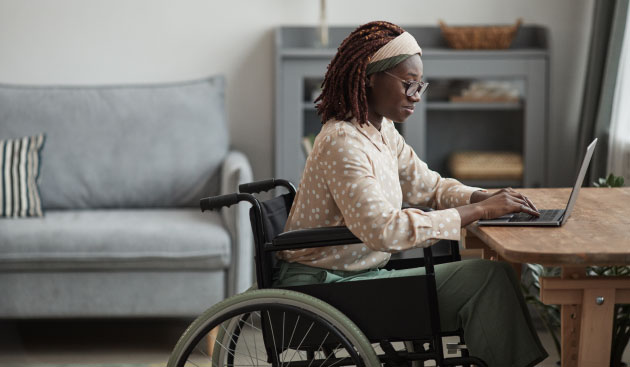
(19, 169)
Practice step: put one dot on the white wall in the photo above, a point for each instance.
(138, 41)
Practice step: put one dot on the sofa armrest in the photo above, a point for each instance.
(237, 170)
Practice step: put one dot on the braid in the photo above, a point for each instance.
(343, 90)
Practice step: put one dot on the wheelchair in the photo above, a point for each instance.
(369, 323)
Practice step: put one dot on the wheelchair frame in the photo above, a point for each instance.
(415, 321)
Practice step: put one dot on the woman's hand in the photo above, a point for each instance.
(485, 205)
(502, 202)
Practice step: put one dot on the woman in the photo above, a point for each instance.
(358, 175)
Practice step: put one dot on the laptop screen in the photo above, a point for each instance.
(580, 179)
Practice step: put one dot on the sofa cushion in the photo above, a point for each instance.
(107, 294)
(19, 170)
(133, 146)
(115, 239)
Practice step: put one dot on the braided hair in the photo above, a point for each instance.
(344, 88)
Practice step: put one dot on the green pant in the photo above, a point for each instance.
(482, 297)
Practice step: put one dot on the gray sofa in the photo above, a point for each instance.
(122, 172)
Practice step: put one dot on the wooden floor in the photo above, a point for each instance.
(138, 342)
(32, 343)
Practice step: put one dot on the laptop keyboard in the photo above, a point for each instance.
(545, 215)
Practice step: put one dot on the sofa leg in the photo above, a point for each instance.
(212, 336)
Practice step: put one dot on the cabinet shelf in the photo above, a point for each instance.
(456, 106)
(482, 106)
(439, 126)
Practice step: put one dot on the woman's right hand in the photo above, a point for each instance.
(505, 202)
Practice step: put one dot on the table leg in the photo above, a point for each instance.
(588, 308)
(570, 334)
(570, 318)
(470, 241)
(598, 308)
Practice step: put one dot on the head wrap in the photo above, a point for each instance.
(393, 53)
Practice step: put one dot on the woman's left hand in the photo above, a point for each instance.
(478, 196)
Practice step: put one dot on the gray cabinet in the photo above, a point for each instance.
(438, 127)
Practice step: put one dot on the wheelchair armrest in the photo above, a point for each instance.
(321, 236)
(313, 237)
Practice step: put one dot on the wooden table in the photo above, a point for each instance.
(597, 233)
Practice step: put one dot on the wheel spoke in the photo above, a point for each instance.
(254, 326)
(327, 342)
(273, 337)
(233, 354)
(255, 347)
(339, 359)
(320, 347)
(304, 338)
(202, 352)
(244, 338)
(282, 345)
(192, 362)
(293, 333)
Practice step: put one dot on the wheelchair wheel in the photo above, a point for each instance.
(274, 327)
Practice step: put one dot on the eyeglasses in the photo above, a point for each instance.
(412, 86)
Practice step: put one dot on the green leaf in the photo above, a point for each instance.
(618, 182)
(610, 181)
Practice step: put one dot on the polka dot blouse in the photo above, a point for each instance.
(359, 177)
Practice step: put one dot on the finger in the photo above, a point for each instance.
(517, 200)
(520, 204)
(528, 210)
(513, 193)
(529, 202)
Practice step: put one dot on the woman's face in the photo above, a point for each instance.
(387, 95)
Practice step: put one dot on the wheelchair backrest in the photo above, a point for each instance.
(275, 213)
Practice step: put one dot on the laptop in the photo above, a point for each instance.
(550, 217)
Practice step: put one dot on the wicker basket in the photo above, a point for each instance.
(480, 37)
(486, 166)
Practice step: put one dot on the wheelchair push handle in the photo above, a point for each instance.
(218, 202)
(258, 186)
(266, 185)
